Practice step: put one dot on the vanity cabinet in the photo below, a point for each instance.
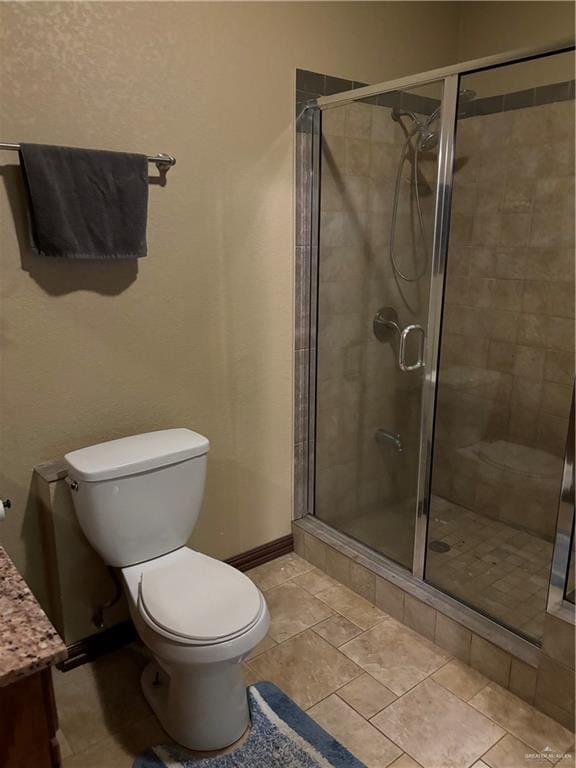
(29, 647)
(28, 723)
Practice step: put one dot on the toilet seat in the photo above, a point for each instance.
(193, 599)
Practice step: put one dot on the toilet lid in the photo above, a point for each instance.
(198, 598)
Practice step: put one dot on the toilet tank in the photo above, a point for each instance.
(139, 497)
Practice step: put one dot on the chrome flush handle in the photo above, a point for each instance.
(4, 505)
(413, 328)
(72, 484)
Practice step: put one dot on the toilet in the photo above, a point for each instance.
(137, 500)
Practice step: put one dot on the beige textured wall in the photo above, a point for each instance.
(198, 334)
(493, 27)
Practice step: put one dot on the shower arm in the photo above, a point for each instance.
(398, 113)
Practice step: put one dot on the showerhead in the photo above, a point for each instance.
(420, 136)
(426, 136)
(428, 139)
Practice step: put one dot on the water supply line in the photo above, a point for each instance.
(98, 615)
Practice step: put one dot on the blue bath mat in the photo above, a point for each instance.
(282, 736)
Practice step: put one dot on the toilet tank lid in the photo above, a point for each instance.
(135, 454)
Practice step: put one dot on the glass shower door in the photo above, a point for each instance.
(377, 199)
(507, 343)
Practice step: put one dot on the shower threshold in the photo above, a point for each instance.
(491, 565)
(520, 647)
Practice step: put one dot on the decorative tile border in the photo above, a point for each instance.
(310, 85)
(532, 97)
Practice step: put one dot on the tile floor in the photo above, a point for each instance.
(387, 693)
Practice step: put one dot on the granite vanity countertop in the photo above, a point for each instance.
(28, 641)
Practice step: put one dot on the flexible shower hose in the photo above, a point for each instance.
(414, 181)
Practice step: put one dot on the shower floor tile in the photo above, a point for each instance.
(492, 566)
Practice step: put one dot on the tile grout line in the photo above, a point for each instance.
(299, 634)
(438, 682)
(335, 612)
(506, 733)
(408, 628)
(343, 685)
(427, 677)
(364, 631)
(115, 731)
(492, 683)
(430, 675)
(385, 615)
(366, 720)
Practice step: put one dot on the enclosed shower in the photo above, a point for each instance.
(441, 333)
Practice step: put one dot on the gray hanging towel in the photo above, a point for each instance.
(86, 203)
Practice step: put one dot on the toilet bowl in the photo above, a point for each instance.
(137, 500)
(200, 618)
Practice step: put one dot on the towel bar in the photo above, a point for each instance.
(162, 161)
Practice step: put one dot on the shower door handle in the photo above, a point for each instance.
(402, 350)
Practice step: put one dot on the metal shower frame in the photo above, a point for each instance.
(450, 78)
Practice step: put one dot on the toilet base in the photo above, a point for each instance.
(202, 707)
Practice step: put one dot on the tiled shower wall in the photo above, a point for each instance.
(507, 357)
(309, 85)
(360, 386)
(507, 351)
